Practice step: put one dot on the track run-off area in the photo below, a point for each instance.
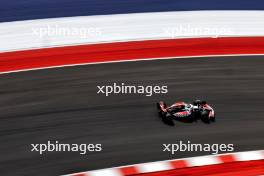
(62, 104)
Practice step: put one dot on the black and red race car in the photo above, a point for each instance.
(186, 112)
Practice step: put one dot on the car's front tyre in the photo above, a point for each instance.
(212, 119)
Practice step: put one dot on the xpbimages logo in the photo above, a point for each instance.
(131, 89)
(62, 147)
(191, 147)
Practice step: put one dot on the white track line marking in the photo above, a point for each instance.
(203, 160)
(134, 60)
(154, 167)
(247, 156)
(105, 172)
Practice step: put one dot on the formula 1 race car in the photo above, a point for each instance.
(186, 112)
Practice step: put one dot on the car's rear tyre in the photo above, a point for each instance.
(167, 119)
(197, 102)
(205, 117)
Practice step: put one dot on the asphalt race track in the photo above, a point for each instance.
(62, 104)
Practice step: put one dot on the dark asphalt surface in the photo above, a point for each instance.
(62, 104)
